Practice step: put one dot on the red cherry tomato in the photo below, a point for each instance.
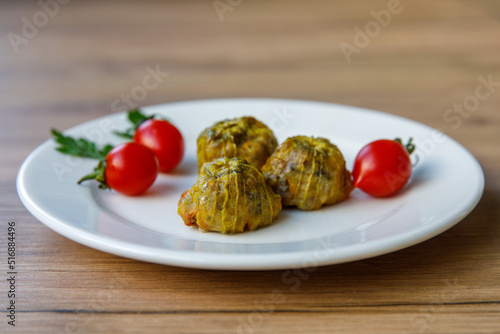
(164, 139)
(131, 168)
(382, 168)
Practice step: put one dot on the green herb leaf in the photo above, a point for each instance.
(79, 147)
(128, 134)
(136, 117)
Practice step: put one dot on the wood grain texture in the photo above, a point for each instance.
(428, 58)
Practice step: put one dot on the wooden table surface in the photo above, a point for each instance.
(68, 67)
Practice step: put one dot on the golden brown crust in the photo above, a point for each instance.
(244, 137)
(230, 196)
(308, 173)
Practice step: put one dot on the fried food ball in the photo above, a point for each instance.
(308, 173)
(230, 196)
(244, 137)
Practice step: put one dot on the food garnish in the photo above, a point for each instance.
(383, 167)
(159, 135)
(128, 168)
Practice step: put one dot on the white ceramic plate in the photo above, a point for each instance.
(446, 185)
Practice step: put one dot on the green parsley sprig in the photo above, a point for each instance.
(83, 148)
(136, 117)
(80, 147)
